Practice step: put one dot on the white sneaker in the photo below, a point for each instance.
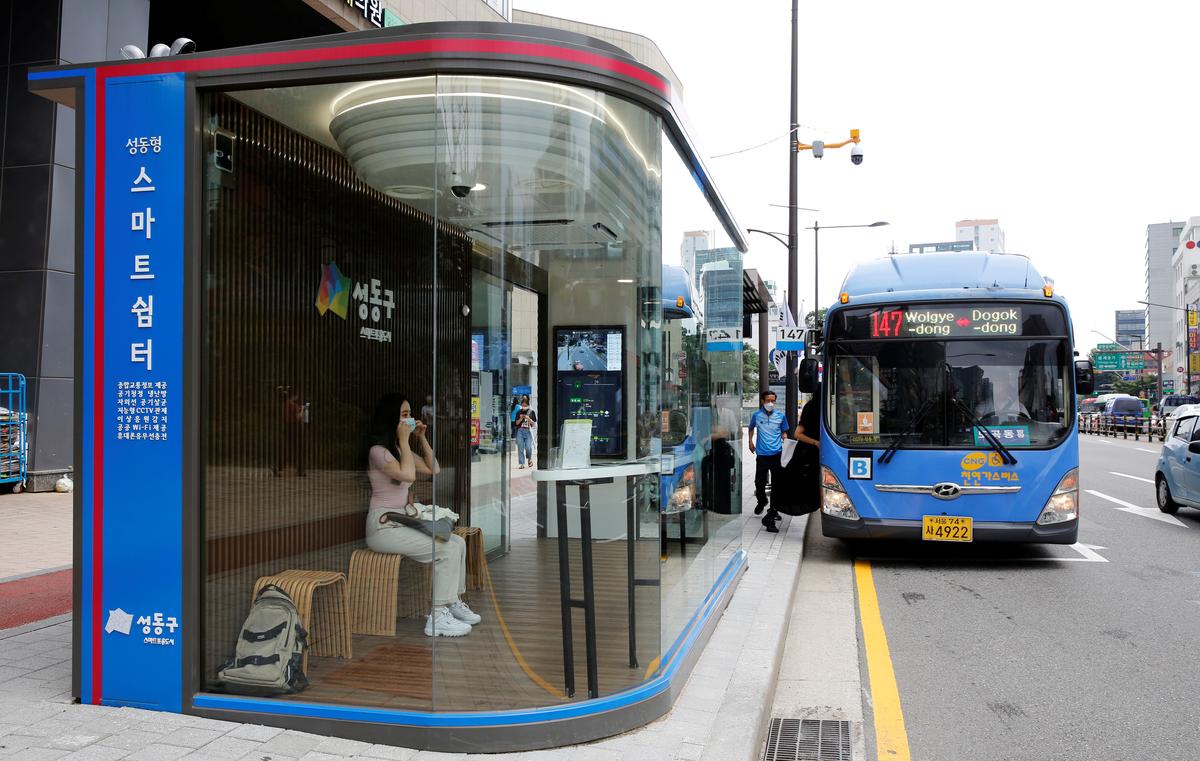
(441, 624)
(461, 612)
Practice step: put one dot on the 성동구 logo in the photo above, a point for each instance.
(334, 292)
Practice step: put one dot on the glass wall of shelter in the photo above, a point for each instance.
(441, 297)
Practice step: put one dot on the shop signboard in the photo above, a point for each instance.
(135, 366)
(1194, 363)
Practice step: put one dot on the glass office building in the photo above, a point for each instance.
(318, 280)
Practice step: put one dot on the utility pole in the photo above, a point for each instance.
(791, 393)
(1158, 356)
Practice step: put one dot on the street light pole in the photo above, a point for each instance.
(816, 228)
(791, 391)
(816, 271)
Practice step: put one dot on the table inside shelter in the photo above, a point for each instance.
(584, 479)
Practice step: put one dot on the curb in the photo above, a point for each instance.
(34, 626)
(764, 721)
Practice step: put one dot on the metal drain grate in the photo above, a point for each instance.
(808, 740)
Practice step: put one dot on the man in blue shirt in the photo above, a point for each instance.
(771, 427)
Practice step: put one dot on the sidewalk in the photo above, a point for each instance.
(721, 715)
(35, 533)
(35, 557)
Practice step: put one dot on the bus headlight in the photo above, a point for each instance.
(834, 500)
(685, 492)
(1063, 504)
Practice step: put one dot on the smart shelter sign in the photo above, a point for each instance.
(141, 289)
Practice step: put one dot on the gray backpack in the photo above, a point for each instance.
(269, 656)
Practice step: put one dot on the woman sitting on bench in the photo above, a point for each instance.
(393, 467)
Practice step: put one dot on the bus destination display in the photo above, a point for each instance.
(946, 322)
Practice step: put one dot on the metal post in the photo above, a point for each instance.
(764, 349)
(816, 271)
(792, 392)
(1158, 356)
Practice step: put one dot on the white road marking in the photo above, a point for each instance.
(1143, 449)
(1146, 512)
(1135, 478)
(1087, 550)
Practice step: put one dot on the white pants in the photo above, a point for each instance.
(449, 558)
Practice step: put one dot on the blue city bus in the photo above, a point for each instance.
(947, 401)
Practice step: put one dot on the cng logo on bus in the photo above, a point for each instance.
(974, 460)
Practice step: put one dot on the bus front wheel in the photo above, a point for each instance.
(1165, 502)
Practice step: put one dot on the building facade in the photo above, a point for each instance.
(1185, 270)
(693, 241)
(933, 248)
(1130, 328)
(984, 234)
(1162, 238)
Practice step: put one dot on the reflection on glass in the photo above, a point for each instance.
(413, 285)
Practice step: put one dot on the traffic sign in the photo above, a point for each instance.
(1109, 347)
(1119, 361)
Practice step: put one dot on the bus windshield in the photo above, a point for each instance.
(1017, 386)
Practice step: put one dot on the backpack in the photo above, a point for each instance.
(269, 656)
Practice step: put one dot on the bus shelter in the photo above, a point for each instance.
(284, 250)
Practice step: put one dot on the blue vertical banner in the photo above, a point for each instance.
(141, 398)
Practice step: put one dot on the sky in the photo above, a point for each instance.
(1074, 123)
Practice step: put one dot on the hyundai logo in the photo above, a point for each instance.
(947, 490)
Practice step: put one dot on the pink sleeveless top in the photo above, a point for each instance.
(386, 493)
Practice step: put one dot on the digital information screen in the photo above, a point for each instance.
(946, 322)
(589, 384)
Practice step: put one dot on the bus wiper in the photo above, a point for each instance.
(990, 437)
(890, 452)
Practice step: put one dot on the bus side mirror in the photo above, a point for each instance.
(1085, 381)
(807, 376)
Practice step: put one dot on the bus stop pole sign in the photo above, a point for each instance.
(789, 338)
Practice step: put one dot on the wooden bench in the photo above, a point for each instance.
(377, 597)
(320, 597)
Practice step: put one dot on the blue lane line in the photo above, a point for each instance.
(645, 691)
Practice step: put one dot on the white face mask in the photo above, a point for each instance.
(769, 406)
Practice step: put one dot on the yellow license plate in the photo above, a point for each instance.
(946, 528)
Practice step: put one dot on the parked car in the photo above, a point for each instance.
(1177, 480)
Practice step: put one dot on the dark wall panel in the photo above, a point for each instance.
(55, 426)
(29, 121)
(35, 26)
(20, 342)
(24, 217)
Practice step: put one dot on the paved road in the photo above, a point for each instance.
(1013, 655)
(586, 356)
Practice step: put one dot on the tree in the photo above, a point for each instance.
(750, 366)
(820, 318)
